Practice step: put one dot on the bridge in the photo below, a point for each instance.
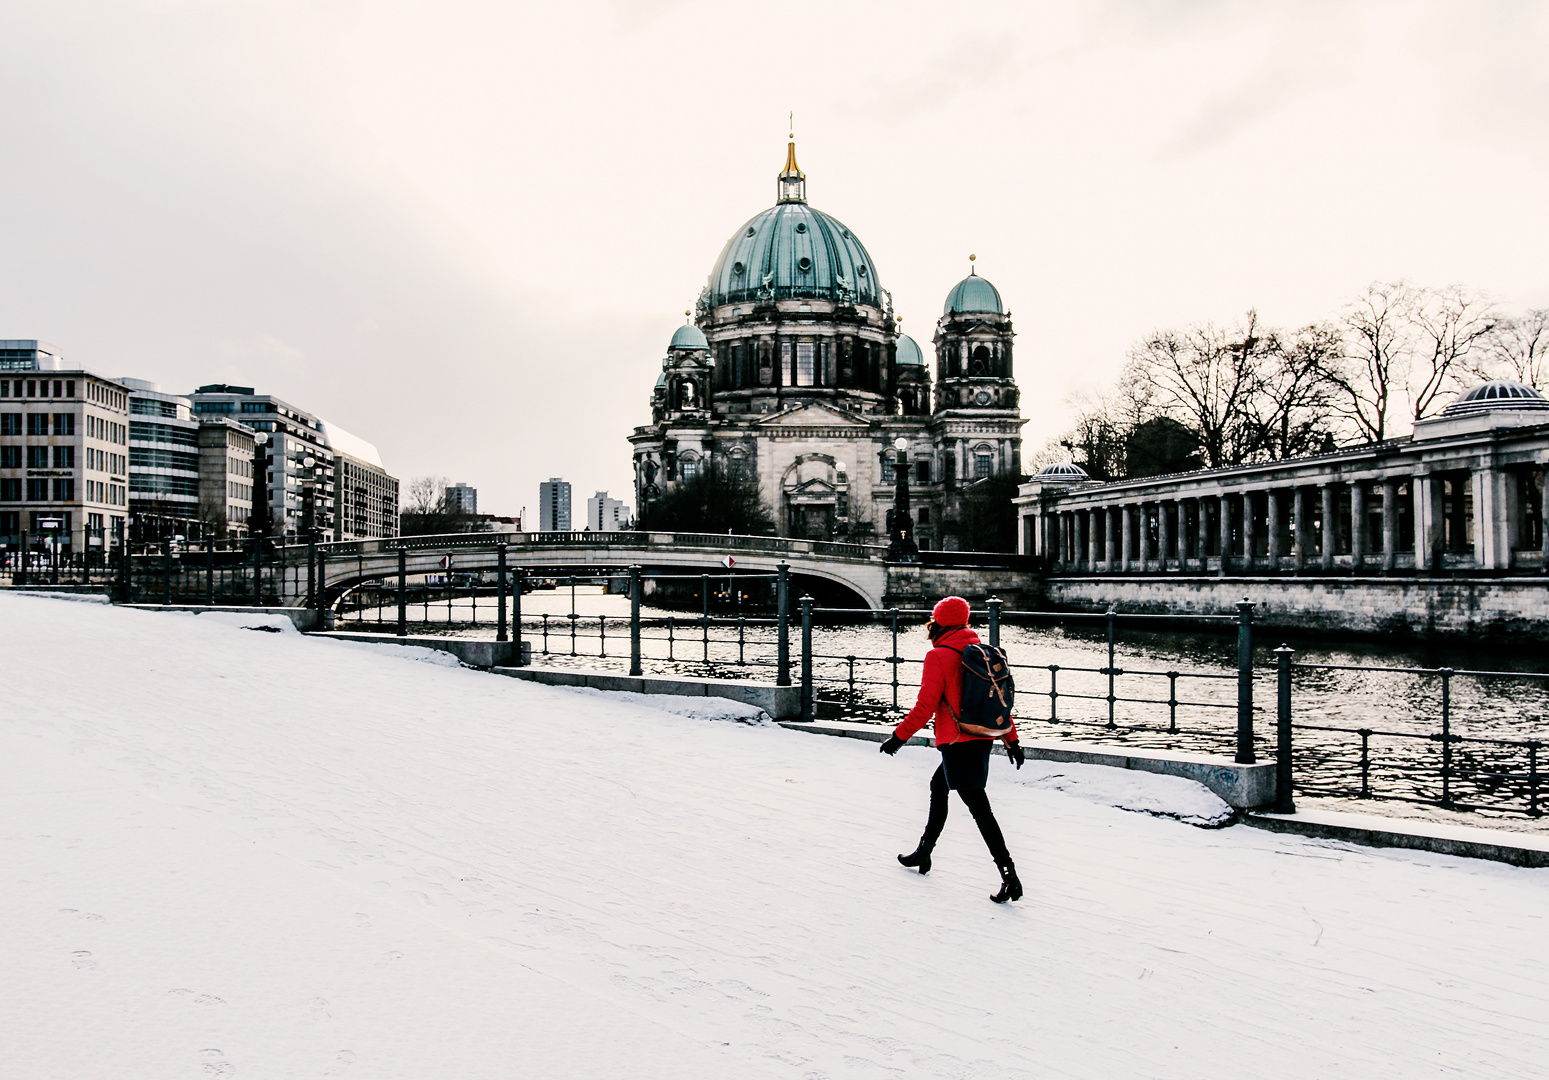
(856, 574)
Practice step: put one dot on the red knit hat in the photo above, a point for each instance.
(952, 611)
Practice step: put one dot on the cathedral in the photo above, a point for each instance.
(793, 372)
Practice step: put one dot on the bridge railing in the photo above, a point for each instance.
(621, 540)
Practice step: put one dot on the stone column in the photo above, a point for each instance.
(1248, 537)
(1110, 540)
(1273, 496)
(1389, 523)
(1427, 520)
(1163, 533)
(1357, 524)
(1201, 532)
(1223, 528)
(1491, 546)
(1124, 534)
(1330, 525)
(1091, 539)
(1300, 537)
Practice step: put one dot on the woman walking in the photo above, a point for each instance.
(965, 758)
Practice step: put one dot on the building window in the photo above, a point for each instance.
(37, 457)
(10, 423)
(10, 490)
(37, 491)
(64, 423)
(37, 423)
(924, 515)
(786, 375)
(805, 363)
(689, 466)
(982, 464)
(922, 472)
(10, 457)
(64, 489)
(64, 457)
(887, 468)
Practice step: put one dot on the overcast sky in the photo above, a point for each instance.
(466, 231)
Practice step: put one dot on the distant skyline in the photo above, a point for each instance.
(466, 232)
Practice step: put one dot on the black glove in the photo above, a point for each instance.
(1015, 753)
(891, 746)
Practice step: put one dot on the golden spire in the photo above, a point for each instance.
(793, 182)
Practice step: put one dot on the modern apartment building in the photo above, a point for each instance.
(163, 464)
(64, 450)
(606, 515)
(554, 505)
(296, 461)
(462, 499)
(367, 496)
(226, 465)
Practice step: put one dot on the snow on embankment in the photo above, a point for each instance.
(231, 853)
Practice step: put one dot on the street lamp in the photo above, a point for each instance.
(901, 546)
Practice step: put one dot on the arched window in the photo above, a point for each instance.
(688, 464)
(984, 462)
(980, 364)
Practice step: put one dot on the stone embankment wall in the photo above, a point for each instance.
(910, 585)
(1501, 609)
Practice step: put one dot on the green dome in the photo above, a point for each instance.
(909, 351)
(974, 294)
(802, 252)
(688, 337)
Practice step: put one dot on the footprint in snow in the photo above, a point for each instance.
(82, 959)
(89, 916)
(342, 1061)
(215, 1063)
(362, 919)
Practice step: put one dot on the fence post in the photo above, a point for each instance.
(20, 578)
(806, 658)
(783, 625)
(634, 621)
(516, 616)
(1446, 737)
(1245, 754)
(1112, 671)
(500, 593)
(993, 603)
(166, 572)
(1283, 802)
(123, 559)
(403, 599)
(258, 571)
(312, 570)
(322, 586)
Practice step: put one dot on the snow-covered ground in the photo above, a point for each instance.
(228, 853)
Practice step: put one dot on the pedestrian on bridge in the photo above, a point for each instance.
(965, 757)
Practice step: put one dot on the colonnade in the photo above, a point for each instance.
(1451, 517)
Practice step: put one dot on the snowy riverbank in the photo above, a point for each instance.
(229, 853)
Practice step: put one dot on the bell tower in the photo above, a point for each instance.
(973, 349)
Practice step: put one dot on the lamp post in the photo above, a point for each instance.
(901, 546)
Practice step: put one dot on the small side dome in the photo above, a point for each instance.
(689, 337)
(1062, 472)
(976, 295)
(909, 352)
(1496, 394)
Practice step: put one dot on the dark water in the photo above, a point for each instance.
(1062, 689)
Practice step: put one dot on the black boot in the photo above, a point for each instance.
(920, 857)
(1010, 885)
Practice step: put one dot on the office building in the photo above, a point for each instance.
(367, 496)
(606, 515)
(226, 461)
(297, 468)
(64, 451)
(163, 464)
(462, 499)
(554, 505)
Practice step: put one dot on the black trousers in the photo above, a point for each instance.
(978, 804)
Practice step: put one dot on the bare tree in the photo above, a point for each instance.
(1293, 404)
(1364, 376)
(1518, 348)
(1451, 326)
(426, 511)
(1206, 378)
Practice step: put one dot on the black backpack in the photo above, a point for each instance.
(988, 692)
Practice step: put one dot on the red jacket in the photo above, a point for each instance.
(943, 679)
